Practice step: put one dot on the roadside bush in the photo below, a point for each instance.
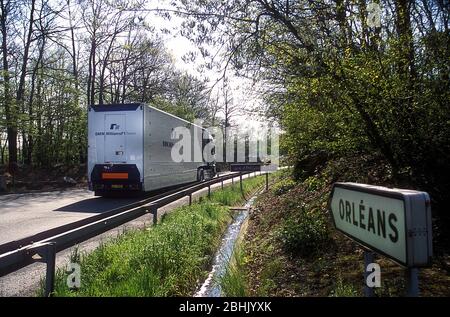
(283, 186)
(304, 235)
(314, 183)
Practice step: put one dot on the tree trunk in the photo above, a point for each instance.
(23, 73)
(404, 31)
(406, 114)
(10, 107)
(103, 70)
(74, 57)
(91, 77)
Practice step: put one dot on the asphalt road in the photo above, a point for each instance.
(22, 215)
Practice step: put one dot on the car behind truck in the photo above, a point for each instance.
(130, 149)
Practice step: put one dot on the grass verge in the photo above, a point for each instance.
(169, 259)
(233, 282)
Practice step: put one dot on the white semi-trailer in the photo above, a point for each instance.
(130, 149)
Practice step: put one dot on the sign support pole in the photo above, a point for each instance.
(368, 258)
(412, 277)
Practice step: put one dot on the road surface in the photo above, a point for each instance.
(22, 215)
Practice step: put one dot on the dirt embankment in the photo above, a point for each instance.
(29, 179)
(292, 249)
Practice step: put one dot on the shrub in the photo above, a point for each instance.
(306, 234)
(283, 186)
(313, 183)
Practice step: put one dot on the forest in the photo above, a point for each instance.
(58, 57)
(342, 78)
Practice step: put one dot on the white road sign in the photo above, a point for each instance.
(392, 222)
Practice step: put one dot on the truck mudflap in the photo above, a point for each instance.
(115, 177)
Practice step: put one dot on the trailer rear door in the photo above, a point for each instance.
(115, 138)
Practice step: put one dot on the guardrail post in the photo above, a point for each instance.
(412, 277)
(240, 182)
(267, 181)
(190, 199)
(209, 191)
(154, 211)
(50, 259)
(368, 259)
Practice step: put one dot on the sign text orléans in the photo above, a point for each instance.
(393, 222)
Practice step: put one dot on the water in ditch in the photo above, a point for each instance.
(211, 286)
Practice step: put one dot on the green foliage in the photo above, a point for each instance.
(342, 289)
(272, 269)
(304, 234)
(317, 120)
(232, 195)
(49, 88)
(314, 183)
(283, 186)
(186, 99)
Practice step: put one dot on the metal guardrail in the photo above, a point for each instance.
(13, 245)
(43, 246)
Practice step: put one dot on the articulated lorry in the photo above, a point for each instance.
(130, 149)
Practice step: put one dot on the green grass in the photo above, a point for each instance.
(233, 282)
(342, 289)
(169, 259)
(231, 195)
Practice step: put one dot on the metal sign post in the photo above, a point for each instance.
(368, 259)
(412, 278)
